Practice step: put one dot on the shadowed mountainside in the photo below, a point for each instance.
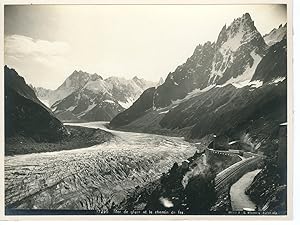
(25, 115)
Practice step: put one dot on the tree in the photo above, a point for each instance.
(200, 193)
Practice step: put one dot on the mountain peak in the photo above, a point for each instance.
(276, 35)
(245, 22)
(95, 76)
(78, 75)
(243, 19)
(135, 78)
(240, 31)
(246, 16)
(81, 75)
(79, 72)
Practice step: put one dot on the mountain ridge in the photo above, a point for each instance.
(189, 104)
(215, 62)
(25, 114)
(89, 97)
(275, 35)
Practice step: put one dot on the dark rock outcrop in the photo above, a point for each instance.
(25, 115)
(192, 74)
(138, 109)
(274, 64)
(269, 187)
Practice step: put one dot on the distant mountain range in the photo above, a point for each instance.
(89, 97)
(235, 86)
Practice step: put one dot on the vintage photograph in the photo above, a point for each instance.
(146, 109)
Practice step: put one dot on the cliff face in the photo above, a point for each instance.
(274, 64)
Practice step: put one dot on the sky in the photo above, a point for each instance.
(46, 43)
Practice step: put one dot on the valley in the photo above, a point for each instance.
(94, 177)
(210, 138)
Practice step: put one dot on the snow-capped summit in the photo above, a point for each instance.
(96, 84)
(76, 81)
(233, 86)
(240, 31)
(275, 35)
(241, 38)
(232, 58)
(127, 90)
(84, 96)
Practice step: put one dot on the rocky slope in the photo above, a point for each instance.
(275, 35)
(31, 127)
(25, 114)
(79, 137)
(139, 108)
(89, 97)
(235, 86)
(269, 188)
(239, 47)
(274, 65)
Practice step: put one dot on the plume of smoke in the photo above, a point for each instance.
(202, 168)
(246, 138)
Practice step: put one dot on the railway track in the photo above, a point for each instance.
(230, 175)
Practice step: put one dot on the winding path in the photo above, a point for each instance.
(239, 200)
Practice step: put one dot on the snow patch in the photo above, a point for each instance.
(90, 107)
(234, 43)
(45, 102)
(192, 94)
(109, 101)
(71, 108)
(98, 86)
(232, 142)
(277, 80)
(226, 50)
(245, 78)
(127, 104)
(164, 112)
